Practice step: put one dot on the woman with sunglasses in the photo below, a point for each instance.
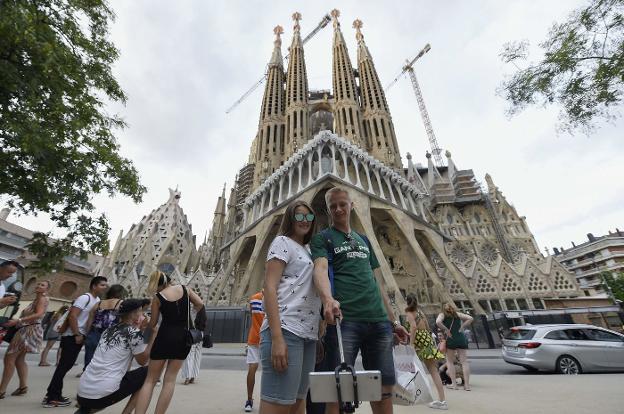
(292, 305)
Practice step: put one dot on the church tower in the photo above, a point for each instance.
(347, 121)
(269, 142)
(378, 128)
(297, 115)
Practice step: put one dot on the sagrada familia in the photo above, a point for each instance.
(436, 231)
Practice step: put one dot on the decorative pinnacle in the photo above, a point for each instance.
(448, 154)
(296, 17)
(335, 14)
(278, 30)
(357, 25)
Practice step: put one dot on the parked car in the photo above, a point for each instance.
(564, 348)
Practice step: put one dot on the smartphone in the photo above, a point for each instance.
(323, 386)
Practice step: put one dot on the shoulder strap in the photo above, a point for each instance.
(329, 246)
(365, 240)
(189, 323)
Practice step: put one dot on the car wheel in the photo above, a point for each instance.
(568, 365)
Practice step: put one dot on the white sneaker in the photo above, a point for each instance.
(438, 405)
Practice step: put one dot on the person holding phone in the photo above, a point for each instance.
(7, 268)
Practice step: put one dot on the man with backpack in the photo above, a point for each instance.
(368, 323)
(73, 332)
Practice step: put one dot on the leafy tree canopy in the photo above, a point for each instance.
(582, 69)
(58, 146)
(615, 283)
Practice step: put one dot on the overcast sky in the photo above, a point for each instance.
(184, 62)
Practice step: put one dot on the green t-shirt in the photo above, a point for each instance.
(355, 286)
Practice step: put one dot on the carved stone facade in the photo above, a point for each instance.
(436, 231)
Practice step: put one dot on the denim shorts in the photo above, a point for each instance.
(373, 339)
(286, 387)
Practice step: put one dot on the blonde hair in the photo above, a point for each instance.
(449, 309)
(157, 279)
(335, 190)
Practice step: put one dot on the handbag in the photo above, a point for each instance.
(193, 336)
(207, 341)
(412, 382)
(9, 334)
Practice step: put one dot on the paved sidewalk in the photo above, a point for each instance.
(223, 392)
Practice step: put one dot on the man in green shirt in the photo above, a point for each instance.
(357, 296)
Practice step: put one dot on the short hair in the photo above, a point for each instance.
(7, 263)
(96, 281)
(116, 292)
(287, 228)
(335, 190)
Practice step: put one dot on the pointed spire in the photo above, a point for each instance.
(451, 165)
(347, 116)
(378, 127)
(297, 113)
(276, 58)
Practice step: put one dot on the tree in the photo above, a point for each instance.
(57, 138)
(582, 69)
(615, 283)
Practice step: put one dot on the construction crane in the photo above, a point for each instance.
(409, 68)
(324, 21)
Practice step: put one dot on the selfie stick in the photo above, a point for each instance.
(349, 406)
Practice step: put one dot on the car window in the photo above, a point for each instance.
(576, 334)
(600, 335)
(520, 334)
(559, 335)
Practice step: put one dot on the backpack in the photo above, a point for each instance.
(62, 323)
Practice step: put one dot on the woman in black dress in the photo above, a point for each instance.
(170, 348)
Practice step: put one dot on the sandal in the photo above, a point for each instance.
(20, 391)
(44, 364)
(2, 395)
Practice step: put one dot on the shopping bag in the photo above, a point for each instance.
(412, 381)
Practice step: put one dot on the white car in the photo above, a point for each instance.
(564, 348)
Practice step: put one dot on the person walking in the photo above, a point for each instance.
(51, 337)
(368, 321)
(27, 339)
(72, 339)
(192, 363)
(426, 350)
(102, 316)
(108, 379)
(453, 324)
(170, 348)
(253, 345)
(290, 330)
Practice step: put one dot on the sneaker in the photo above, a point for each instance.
(438, 405)
(61, 402)
(248, 406)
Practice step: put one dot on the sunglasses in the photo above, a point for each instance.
(304, 217)
(352, 242)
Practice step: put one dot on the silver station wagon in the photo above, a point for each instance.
(564, 348)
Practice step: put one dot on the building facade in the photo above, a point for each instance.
(588, 260)
(436, 231)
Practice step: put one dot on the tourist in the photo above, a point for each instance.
(51, 336)
(426, 349)
(453, 324)
(102, 317)
(170, 347)
(72, 338)
(7, 268)
(368, 321)
(192, 363)
(253, 345)
(107, 378)
(28, 339)
(290, 330)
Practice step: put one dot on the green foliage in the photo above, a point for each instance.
(615, 283)
(58, 146)
(582, 69)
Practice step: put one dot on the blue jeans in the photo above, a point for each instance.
(373, 339)
(285, 388)
(91, 342)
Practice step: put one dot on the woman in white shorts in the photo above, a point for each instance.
(290, 330)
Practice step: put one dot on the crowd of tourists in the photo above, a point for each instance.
(313, 280)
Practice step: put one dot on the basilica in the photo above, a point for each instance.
(437, 232)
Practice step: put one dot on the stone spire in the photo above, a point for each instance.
(378, 127)
(269, 145)
(215, 240)
(297, 115)
(347, 117)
